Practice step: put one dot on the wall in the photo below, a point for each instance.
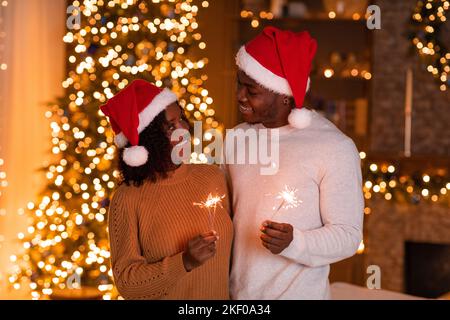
(431, 107)
(219, 26)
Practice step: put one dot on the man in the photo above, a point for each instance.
(282, 251)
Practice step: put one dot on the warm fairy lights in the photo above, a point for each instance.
(382, 180)
(3, 182)
(256, 17)
(3, 185)
(428, 17)
(118, 41)
(3, 64)
(361, 247)
(3, 68)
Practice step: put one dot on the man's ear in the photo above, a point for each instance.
(288, 101)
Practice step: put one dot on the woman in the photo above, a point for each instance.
(161, 245)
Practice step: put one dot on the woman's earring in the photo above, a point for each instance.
(286, 100)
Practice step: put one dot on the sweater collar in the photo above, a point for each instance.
(282, 130)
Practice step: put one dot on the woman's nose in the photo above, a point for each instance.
(183, 125)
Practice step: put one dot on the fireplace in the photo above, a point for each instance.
(411, 246)
(427, 269)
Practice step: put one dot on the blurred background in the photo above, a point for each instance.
(387, 88)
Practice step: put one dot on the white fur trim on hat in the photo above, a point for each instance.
(262, 75)
(158, 104)
(146, 116)
(300, 118)
(135, 156)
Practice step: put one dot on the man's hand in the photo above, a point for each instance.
(200, 249)
(276, 236)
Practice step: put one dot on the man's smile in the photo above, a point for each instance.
(245, 110)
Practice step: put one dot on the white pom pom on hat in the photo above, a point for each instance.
(281, 61)
(131, 111)
(300, 118)
(135, 156)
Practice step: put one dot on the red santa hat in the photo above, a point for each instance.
(281, 62)
(131, 111)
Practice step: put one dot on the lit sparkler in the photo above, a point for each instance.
(211, 204)
(289, 199)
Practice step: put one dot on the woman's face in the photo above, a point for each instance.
(175, 120)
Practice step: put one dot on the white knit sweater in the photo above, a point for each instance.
(324, 165)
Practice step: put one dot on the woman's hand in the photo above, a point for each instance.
(276, 236)
(200, 249)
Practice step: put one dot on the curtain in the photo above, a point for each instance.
(35, 56)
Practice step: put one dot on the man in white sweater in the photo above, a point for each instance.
(286, 254)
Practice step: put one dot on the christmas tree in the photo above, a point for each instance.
(112, 43)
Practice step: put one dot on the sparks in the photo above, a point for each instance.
(289, 199)
(211, 204)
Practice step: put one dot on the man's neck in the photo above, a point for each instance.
(275, 124)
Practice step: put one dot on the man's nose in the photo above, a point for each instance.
(241, 94)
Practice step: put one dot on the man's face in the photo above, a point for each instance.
(256, 103)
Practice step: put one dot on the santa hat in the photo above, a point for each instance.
(131, 111)
(281, 62)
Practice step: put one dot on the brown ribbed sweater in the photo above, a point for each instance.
(150, 226)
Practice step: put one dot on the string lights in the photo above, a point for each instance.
(3, 185)
(382, 180)
(428, 18)
(117, 41)
(3, 68)
(3, 64)
(256, 17)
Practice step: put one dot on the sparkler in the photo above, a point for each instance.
(211, 204)
(289, 199)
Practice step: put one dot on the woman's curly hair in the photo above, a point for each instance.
(155, 140)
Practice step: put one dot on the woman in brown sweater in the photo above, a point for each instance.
(162, 246)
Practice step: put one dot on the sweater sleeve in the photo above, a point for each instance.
(341, 209)
(135, 278)
(223, 164)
